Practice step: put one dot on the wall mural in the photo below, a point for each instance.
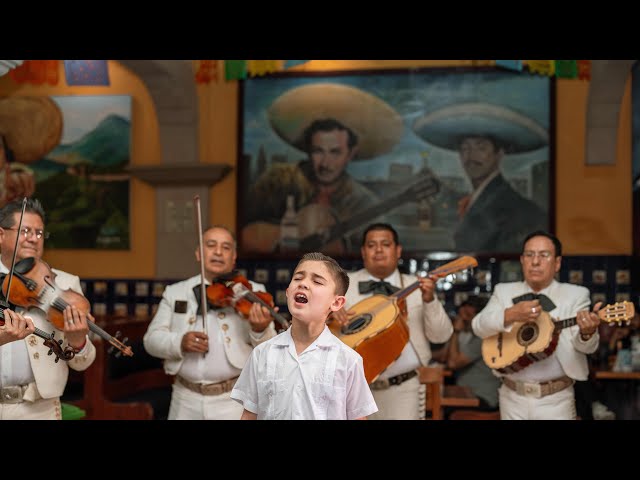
(456, 160)
(70, 152)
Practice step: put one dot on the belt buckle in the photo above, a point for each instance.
(382, 384)
(11, 394)
(528, 389)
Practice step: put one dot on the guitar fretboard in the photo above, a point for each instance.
(568, 322)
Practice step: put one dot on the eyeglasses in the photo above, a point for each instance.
(28, 231)
(544, 255)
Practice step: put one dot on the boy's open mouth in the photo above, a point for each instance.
(300, 298)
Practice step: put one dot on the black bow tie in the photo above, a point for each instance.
(196, 292)
(377, 287)
(545, 302)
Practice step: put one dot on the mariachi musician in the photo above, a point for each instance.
(206, 361)
(397, 391)
(543, 390)
(31, 382)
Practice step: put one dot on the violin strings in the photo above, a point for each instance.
(60, 304)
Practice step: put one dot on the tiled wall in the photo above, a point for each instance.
(607, 277)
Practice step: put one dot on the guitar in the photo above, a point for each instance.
(378, 331)
(320, 231)
(528, 342)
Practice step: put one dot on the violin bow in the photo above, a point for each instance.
(203, 287)
(4, 302)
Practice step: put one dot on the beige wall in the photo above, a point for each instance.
(593, 204)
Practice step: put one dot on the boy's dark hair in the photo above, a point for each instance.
(327, 125)
(340, 277)
(6, 212)
(380, 226)
(543, 233)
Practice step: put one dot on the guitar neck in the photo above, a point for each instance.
(406, 291)
(568, 322)
(461, 263)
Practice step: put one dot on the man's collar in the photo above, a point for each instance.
(478, 191)
(545, 290)
(393, 279)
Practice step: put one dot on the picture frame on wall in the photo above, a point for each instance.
(455, 159)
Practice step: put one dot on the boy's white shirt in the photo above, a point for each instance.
(326, 381)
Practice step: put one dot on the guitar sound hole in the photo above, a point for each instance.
(357, 324)
(528, 334)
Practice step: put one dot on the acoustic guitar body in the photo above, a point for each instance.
(527, 342)
(378, 332)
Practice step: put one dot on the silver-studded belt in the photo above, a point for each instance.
(12, 394)
(208, 388)
(538, 390)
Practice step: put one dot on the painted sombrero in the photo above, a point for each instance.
(378, 126)
(446, 127)
(32, 126)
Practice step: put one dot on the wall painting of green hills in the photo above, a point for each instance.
(82, 182)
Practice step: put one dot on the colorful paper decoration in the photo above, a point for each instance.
(566, 69)
(235, 69)
(36, 72)
(584, 69)
(207, 71)
(87, 72)
(262, 67)
(543, 67)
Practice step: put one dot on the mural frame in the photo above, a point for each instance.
(433, 104)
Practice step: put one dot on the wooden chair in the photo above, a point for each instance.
(433, 379)
(463, 414)
(121, 388)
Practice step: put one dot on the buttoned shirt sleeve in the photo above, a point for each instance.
(583, 302)
(437, 324)
(490, 321)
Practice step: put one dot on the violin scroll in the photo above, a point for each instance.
(55, 346)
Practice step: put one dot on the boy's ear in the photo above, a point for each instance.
(338, 303)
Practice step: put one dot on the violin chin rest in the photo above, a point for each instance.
(25, 265)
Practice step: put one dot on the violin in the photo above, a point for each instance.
(36, 287)
(238, 293)
(55, 346)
